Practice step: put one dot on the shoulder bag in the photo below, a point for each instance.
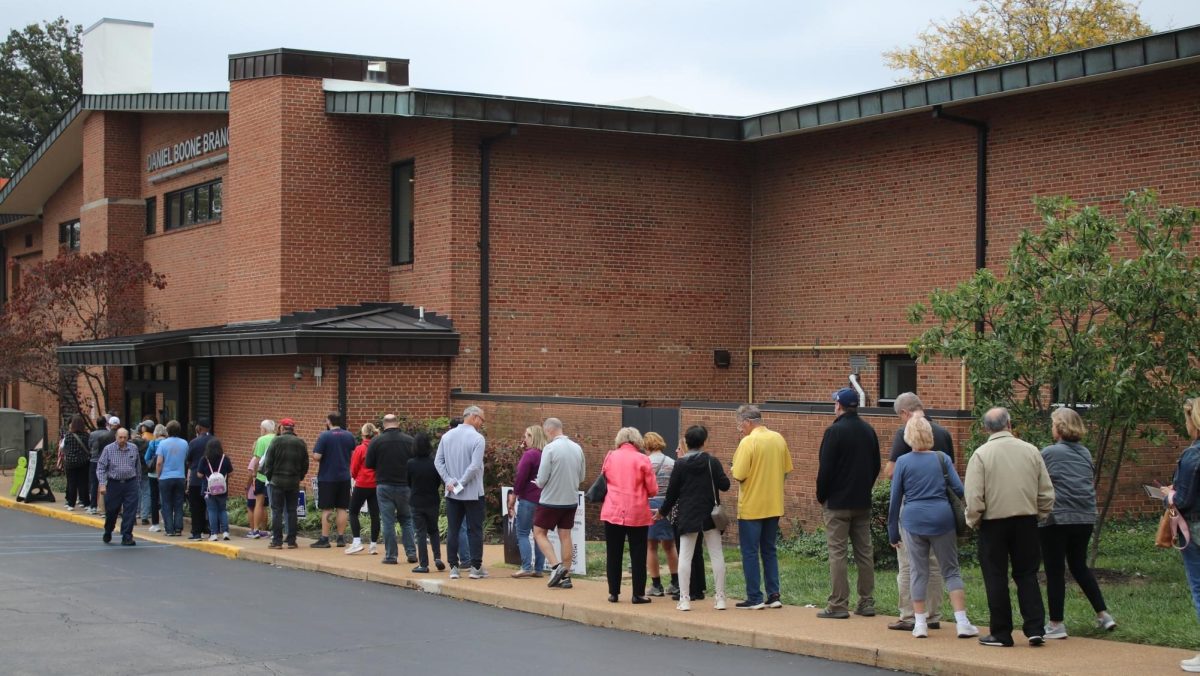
(599, 488)
(956, 503)
(719, 518)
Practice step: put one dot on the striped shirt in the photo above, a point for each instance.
(117, 463)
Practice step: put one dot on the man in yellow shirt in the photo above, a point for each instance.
(760, 464)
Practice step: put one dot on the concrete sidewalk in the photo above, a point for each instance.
(791, 629)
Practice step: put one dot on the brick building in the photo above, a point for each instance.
(336, 239)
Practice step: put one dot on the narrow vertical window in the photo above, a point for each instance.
(151, 215)
(402, 213)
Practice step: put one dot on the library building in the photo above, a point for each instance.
(335, 239)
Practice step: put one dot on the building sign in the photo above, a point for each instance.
(190, 149)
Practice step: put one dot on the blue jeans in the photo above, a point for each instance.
(172, 492)
(1191, 564)
(407, 538)
(758, 536)
(144, 497)
(393, 506)
(218, 515)
(524, 524)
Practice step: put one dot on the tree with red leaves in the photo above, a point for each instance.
(76, 297)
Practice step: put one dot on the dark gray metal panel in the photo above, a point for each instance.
(988, 82)
(1041, 72)
(1068, 66)
(751, 128)
(1160, 48)
(466, 107)
(915, 96)
(789, 120)
(1129, 55)
(893, 100)
(848, 109)
(500, 111)
(770, 124)
(1189, 43)
(962, 87)
(809, 117)
(531, 113)
(870, 104)
(1014, 77)
(827, 112)
(55, 133)
(937, 91)
(1098, 61)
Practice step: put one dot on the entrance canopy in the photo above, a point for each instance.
(372, 329)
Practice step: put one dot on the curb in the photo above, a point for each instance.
(1080, 655)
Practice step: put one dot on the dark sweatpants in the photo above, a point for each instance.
(198, 509)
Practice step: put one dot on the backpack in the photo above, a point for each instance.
(216, 480)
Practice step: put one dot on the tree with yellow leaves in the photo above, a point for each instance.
(1001, 31)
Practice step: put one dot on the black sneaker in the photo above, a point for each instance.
(130, 542)
(412, 558)
(557, 576)
(657, 590)
(774, 602)
(321, 543)
(107, 538)
(866, 611)
(1037, 641)
(833, 614)
(341, 540)
(750, 605)
(996, 641)
(566, 583)
(419, 569)
(439, 564)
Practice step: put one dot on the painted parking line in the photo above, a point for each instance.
(21, 551)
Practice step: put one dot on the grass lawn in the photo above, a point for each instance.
(1145, 587)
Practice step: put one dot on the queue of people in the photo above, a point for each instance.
(1032, 508)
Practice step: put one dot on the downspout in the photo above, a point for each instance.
(343, 385)
(485, 250)
(981, 141)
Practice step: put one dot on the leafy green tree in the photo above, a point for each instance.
(41, 76)
(1001, 31)
(1092, 312)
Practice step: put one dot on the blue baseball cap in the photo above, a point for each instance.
(846, 397)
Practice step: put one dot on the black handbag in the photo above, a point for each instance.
(956, 503)
(599, 488)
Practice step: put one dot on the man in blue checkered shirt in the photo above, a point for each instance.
(117, 474)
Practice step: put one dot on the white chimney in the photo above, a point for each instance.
(116, 57)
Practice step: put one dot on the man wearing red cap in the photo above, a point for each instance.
(285, 464)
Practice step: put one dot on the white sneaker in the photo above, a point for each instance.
(354, 548)
(921, 630)
(684, 604)
(1192, 665)
(213, 537)
(453, 572)
(1056, 632)
(70, 508)
(155, 528)
(372, 550)
(225, 536)
(478, 573)
(719, 603)
(1106, 622)
(967, 630)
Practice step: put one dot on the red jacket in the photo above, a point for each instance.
(631, 484)
(363, 477)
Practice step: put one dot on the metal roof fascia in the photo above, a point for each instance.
(1109, 60)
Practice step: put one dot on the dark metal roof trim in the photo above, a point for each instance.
(305, 63)
(1007, 78)
(38, 152)
(514, 110)
(540, 399)
(397, 330)
(177, 102)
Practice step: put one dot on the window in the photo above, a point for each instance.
(68, 235)
(151, 214)
(197, 204)
(897, 374)
(402, 213)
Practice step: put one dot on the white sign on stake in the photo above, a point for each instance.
(578, 559)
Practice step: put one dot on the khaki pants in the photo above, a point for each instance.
(843, 527)
(933, 600)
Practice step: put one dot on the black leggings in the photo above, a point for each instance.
(425, 523)
(197, 509)
(155, 503)
(77, 485)
(614, 537)
(357, 497)
(1069, 541)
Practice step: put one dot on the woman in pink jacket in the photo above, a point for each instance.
(626, 511)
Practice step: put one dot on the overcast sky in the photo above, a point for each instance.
(713, 57)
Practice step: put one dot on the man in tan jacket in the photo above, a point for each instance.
(1007, 492)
